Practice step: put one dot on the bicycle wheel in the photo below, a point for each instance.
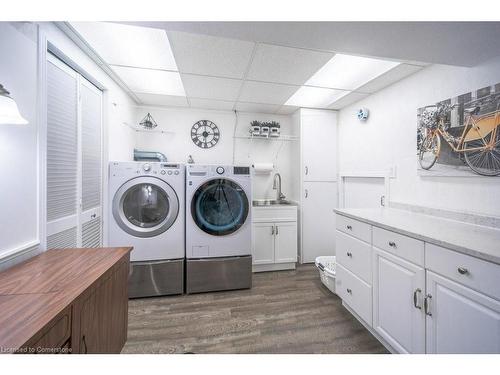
(486, 160)
(429, 151)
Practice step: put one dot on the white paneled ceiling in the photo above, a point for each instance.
(208, 55)
(266, 93)
(285, 65)
(211, 87)
(209, 72)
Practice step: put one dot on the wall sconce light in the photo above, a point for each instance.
(9, 113)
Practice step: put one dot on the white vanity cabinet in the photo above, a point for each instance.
(274, 244)
(398, 288)
(425, 298)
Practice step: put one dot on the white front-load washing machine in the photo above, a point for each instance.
(218, 228)
(147, 212)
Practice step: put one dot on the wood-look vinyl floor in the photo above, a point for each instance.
(284, 312)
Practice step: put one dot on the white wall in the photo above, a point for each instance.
(177, 145)
(21, 225)
(18, 143)
(388, 139)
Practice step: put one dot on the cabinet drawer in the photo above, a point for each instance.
(273, 213)
(355, 293)
(354, 255)
(475, 273)
(355, 228)
(403, 246)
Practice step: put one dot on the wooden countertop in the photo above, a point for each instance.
(34, 292)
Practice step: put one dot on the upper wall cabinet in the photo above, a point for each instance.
(318, 133)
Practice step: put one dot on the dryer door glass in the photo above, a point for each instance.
(145, 206)
(219, 207)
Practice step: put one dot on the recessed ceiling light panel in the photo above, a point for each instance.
(117, 44)
(315, 97)
(349, 72)
(151, 81)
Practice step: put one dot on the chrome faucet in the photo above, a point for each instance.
(277, 186)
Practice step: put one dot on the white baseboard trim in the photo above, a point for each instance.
(273, 267)
(18, 251)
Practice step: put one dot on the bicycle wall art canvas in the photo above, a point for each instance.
(460, 136)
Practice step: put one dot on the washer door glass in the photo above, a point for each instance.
(145, 206)
(219, 207)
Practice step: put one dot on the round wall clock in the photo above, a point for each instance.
(205, 134)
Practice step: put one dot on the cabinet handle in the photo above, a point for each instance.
(415, 298)
(392, 244)
(272, 230)
(349, 291)
(427, 299)
(307, 170)
(349, 254)
(85, 349)
(349, 227)
(306, 193)
(277, 232)
(462, 270)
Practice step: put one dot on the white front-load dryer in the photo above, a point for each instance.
(218, 228)
(147, 212)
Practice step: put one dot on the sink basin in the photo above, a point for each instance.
(271, 202)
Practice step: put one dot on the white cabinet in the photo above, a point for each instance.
(425, 298)
(318, 132)
(459, 319)
(263, 243)
(318, 220)
(285, 243)
(318, 182)
(274, 244)
(398, 288)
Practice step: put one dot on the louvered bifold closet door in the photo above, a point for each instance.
(91, 145)
(62, 155)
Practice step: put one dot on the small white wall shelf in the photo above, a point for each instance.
(282, 137)
(140, 130)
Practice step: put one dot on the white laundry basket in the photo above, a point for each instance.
(327, 268)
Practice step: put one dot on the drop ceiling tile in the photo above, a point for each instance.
(315, 97)
(162, 100)
(287, 110)
(285, 64)
(151, 81)
(350, 98)
(208, 55)
(118, 44)
(211, 87)
(255, 107)
(266, 93)
(220, 105)
(398, 73)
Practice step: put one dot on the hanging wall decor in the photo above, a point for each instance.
(460, 136)
(148, 122)
(205, 134)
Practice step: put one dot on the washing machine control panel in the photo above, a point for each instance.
(220, 170)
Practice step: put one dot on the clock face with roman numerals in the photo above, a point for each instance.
(205, 134)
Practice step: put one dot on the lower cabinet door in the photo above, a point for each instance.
(263, 243)
(460, 320)
(398, 292)
(285, 244)
(104, 315)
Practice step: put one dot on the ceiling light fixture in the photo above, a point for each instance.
(315, 97)
(151, 81)
(9, 112)
(127, 45)
(348, 72)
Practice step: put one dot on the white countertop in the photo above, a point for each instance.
(478, 241)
